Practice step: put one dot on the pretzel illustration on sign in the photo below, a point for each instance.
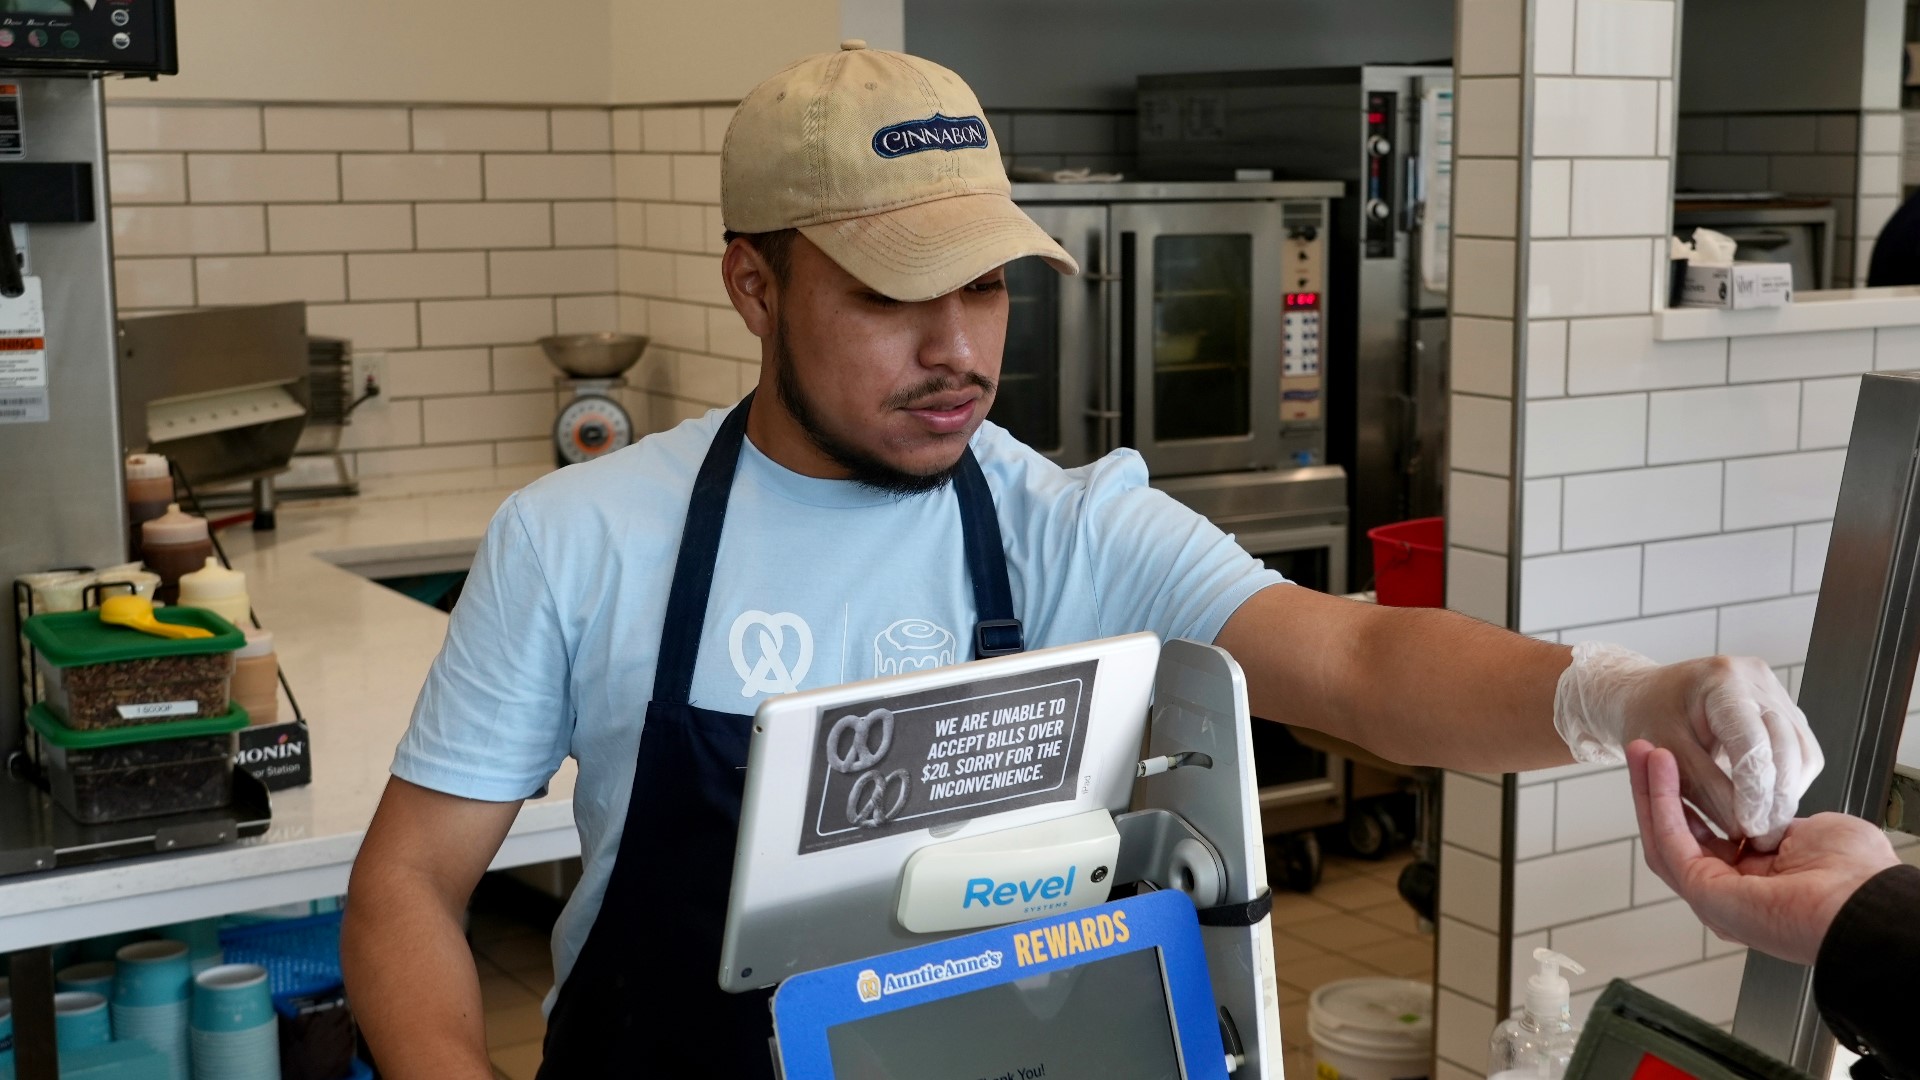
(861, 752)
(867, 803)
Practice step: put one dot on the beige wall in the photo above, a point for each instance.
(553, 52)
(509, 51)
(712, 50)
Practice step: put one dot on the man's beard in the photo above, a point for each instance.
(864, 468)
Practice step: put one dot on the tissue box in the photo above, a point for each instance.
(1739, 287)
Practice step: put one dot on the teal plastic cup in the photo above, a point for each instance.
(6, 1032)
(152, 973)
(80, 1021)
(231, 997)
(93, 978)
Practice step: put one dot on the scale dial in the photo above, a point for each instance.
(591, 426)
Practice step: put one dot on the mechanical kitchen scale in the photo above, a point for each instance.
(593, 423)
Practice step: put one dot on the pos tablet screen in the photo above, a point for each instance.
(1116, 992)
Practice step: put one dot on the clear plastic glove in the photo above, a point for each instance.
(1746, 753)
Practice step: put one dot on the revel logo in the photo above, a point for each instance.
(991, 894)
(936, 132)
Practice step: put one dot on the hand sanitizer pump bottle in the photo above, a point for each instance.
(1537, 1042)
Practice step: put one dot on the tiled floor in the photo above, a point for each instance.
(1352, 925)
(515, 972)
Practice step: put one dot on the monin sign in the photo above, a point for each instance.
(936, 132)
(278, 755)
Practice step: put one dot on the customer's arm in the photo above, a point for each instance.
(1860, 977)
(1834, 893)
(409, 973)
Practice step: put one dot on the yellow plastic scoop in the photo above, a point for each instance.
(137, 612)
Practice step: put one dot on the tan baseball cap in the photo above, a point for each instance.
(885, 161)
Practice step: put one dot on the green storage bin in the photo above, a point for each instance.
(123, 774)
(102, 676)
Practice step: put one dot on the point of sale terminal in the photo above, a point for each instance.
(1048, 864)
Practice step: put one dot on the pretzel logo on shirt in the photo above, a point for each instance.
(770, 673)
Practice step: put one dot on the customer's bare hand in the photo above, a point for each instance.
(1780, 903)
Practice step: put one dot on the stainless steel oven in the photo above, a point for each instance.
(1382, 132)
(1294, 520)
(1193, 334)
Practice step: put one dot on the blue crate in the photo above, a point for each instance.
(302, 956)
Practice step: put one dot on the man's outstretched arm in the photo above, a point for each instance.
(1430, 687)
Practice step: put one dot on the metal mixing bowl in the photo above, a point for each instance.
(604, 355)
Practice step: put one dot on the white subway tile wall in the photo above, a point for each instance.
(1675, 496)
(450, 238)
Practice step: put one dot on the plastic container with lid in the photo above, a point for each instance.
(149, 494)
(1372, 1029)
(256, 678)
(172, 545)
(103, 676)
(219, 590)
(130, 773)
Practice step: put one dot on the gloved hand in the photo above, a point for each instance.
(1746, 753)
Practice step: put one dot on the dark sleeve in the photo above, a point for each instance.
(1871, 948)
(1896, 254)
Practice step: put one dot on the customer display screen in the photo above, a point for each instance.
(1104, 1020)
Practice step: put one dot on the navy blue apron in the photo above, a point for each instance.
(643, 998)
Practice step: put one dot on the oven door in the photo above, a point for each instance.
(1054, 382)
(1199, 327)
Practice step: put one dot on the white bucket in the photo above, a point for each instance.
(1372, 1029)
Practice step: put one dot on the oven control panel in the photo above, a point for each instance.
(130, 36)
(1301, 343)
(1381, 206)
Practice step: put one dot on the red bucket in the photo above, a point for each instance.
(1410, 563)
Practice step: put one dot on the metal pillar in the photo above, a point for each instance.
(1859, 673)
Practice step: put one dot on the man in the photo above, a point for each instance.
(1896, 251)
(611, 617)
(1834, 895)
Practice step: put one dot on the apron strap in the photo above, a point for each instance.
(693, 568)
(998, 632)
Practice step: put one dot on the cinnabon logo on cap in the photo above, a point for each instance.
(936, 132)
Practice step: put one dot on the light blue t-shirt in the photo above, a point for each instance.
(550, 652)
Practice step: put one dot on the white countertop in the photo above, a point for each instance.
(1826, 309)
(356, 654)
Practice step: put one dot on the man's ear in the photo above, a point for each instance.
(749, 282)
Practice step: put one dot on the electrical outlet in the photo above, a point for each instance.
(370, 373)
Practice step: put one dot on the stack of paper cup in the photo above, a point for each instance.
(80, 1021)
(236, 1035)
(150, 999)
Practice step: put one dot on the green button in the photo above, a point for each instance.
(70, 39)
